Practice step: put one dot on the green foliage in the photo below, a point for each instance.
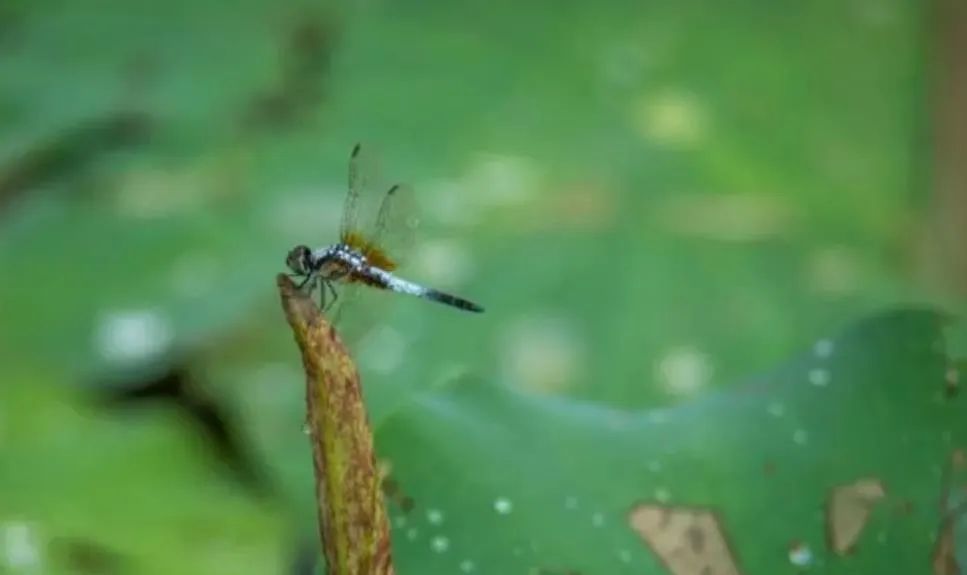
(615, 183)
(514, 482)
(87, 491)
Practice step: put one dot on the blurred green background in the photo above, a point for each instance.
(721, 248)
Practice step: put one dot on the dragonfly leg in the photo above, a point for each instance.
(322, 294)
(335, 295)
(304, 281)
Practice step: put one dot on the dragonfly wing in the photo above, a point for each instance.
(396, 224)
(348, 222)
(358, 310)
(347, 293)
(363, 192)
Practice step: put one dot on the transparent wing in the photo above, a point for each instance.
(396, 223)
(348, 223)
(356, 187)
(358, 310)
(340, 313)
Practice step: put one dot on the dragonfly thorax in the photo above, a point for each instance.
(336, 261)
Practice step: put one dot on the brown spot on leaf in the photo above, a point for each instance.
(696, 539)
(769, 468)
(848, 510)
(390, 487)
(688, 541)
(958, 460)
(395, 494)
(904, 507)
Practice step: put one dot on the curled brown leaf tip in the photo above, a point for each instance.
(352, 515)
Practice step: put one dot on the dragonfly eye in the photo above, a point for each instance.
(298, 260)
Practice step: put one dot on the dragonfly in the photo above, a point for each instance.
(359, 258)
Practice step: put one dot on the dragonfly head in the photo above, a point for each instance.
(299, 260)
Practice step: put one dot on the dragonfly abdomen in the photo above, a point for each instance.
(396, 284)
(451, 300)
